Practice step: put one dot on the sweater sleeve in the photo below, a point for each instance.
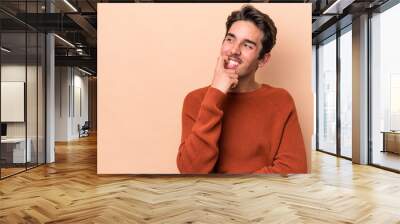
(198, 151)
(291, 155)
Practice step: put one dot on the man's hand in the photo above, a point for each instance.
(224, 79)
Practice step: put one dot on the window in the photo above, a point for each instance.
(385, 88)
(346, 92)
(327, 95)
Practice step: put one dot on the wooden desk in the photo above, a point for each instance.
(391, 141)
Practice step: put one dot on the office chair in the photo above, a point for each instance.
(84, 130)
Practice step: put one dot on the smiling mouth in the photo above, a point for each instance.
(232, 63)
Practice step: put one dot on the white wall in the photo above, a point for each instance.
(71, 93)
(62, 81)
(81, 103)
(16, 72)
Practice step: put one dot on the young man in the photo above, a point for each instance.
(237, 125)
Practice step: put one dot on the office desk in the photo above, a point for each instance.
(13, 150)
(391, 141)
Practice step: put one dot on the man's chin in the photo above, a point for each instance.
(231, 69)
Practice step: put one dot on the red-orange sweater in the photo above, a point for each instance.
(250, 132)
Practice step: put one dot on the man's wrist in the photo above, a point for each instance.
(214, 96)
(219, 88)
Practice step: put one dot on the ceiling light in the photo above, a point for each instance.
(84, 71)
(65, 41)
(70, 5)
(5, 50)
(337, 7)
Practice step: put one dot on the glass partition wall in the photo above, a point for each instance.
(334, 94)
(22, 88)
(13, 89)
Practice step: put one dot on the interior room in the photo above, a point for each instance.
(51, 125)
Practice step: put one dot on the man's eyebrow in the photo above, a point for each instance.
(251, 42)
(231, 35)
(246, 40)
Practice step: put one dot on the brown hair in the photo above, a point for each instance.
(261, 20)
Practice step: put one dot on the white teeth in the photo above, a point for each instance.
(233, 63)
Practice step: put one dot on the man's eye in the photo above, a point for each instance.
(228, 39)
(249, 46)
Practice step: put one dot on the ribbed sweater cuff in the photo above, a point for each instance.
(214, 97)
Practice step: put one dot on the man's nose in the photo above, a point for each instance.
(235, 49)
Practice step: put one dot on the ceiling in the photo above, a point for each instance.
(76, 22)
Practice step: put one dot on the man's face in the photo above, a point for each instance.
(241, 46)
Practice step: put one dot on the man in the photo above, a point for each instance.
(237, 125)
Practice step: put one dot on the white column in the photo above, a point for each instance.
(50, 99)
(360, 90)
(50, 92)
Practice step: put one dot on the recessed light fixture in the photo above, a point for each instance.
(64, 40)
(79, 51)
(70, 5)
(5, 50)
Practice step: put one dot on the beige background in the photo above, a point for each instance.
(151, 55)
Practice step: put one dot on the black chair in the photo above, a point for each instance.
(84, 130)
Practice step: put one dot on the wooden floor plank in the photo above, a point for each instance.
(70, 191)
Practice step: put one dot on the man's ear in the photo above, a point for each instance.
(263, 61)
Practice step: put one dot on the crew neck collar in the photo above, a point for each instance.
(249, 93)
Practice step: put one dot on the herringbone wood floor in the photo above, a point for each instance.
(69, 191)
